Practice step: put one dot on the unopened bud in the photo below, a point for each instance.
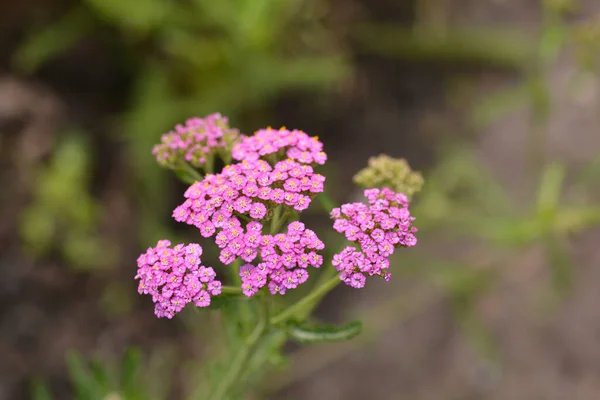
(396, 174)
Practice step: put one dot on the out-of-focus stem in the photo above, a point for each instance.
(234, 273)
(325, 276)
(313, 297)
(192, 171)
(241, 358)
(209, 165)
(231, 290)
(327, 202)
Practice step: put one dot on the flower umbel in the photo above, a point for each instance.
(174, 278)
(294, 144)
(196, 142)
(247, 191)
(286, 258)
(378, 228)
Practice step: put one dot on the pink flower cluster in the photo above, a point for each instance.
(174, 278)
(294, 144)
(378, 227)
(248, 190)
(274, 176)
(194, 141)
(285, 260)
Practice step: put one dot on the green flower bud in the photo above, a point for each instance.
(396, 174)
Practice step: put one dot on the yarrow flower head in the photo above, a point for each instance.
(294, 144)
(378, 228)
(247, 191)
(286, 257)
(174, 278)
(196, 142)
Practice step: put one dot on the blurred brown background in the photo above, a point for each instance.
(496, 101)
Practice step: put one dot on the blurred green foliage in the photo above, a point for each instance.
(64, 215)
(193, 58)
(128, 379)
(200, 56)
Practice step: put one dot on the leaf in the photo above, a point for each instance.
(138, 16)
(100, 375)
(84, 384)
(550, 188)
(575, 219)
(324, 333)
(553, 38)
(55, 39)
(130, 368)
(37, 228)
(40, 390)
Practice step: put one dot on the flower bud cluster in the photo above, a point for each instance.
(385, 171)
(196, 142)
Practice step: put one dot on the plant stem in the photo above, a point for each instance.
(244, 217)
(282, 220)
(230, 290)
(244, 311)
(314, 295)
(271, 341)
(241, 358)
(192, 171)
(281, 216)
(234, 273)
(209, 164)
(326, 202)
(323, 278)
(275, 220)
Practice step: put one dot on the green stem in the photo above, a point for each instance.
(281, 216)
(323, 278)
(244, 217)
(270, 343)
(314, 296)
(241, 358)
(326, 202)
(234, 273)
(282, 220)
(243, 311)
(192, 171)
(230, 290)
(275, 220)
(209, 164)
